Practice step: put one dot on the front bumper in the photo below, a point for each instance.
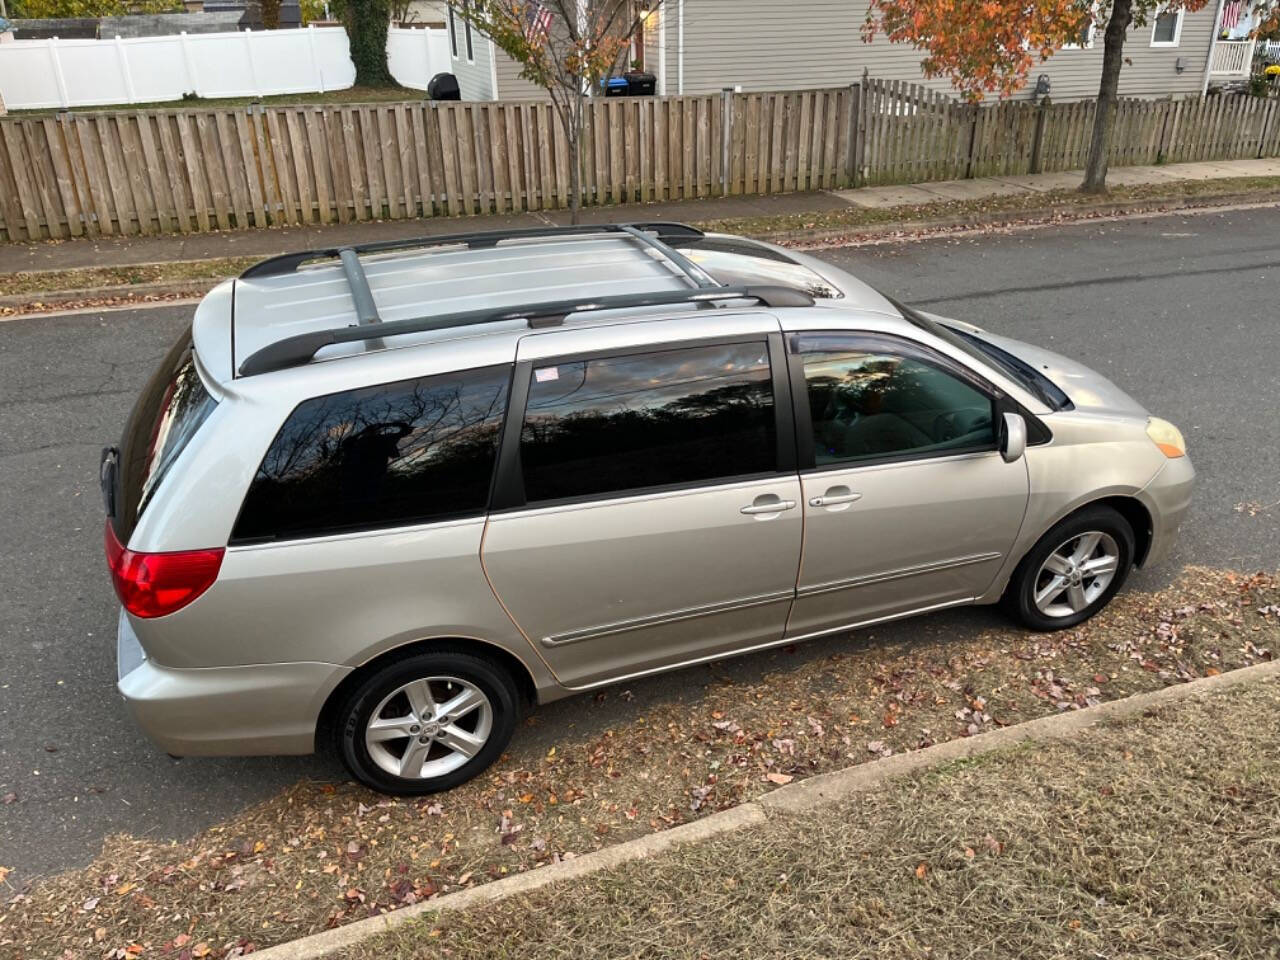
(257, 709)
(1167, 498)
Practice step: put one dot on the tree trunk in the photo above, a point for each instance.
(1095, 174)
(575, 161)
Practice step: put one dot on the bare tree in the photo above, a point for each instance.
(567, 47)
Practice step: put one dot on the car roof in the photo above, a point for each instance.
(477, 286)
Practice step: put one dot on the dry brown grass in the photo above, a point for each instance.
(1059, 204)
(31, 282)
(1150, 838)
(325, 854)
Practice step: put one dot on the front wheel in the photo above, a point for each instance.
(1073, 571)
(427, 722)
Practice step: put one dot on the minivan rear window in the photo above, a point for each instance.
(414, 451)
(173, 406)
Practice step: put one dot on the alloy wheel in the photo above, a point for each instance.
(1076, 574)
(429, 727)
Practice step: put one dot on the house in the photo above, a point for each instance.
(703, 46)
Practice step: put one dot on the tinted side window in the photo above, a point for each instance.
(646, 420)
(394, 454)
(868, 403)
(172, 407)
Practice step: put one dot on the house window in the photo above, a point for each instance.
(1085, 41)
(453, 33)
(1167, 29)
(466, 26)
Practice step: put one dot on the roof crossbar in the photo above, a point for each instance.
(300, 349)
(698, 276)
(667, 233)
(361, 295)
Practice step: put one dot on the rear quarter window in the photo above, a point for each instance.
(396, 454)
(170, 411)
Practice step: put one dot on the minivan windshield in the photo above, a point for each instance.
(1028, 376)
(172, 407)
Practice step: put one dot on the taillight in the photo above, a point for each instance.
(154, 584)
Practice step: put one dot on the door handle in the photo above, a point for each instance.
(831, 500)
(771, 506)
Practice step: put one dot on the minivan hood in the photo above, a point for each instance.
(1087, 389)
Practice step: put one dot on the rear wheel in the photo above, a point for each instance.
(428, 722)
(1073, 571)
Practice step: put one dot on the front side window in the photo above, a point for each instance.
(389, 455)
(1167, 28)
(868, 401)
(453, 33)
(600, 426)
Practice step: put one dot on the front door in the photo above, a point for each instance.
(908, 503)
(657, 513)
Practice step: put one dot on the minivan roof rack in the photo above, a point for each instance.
(300, 349)
(666, 233)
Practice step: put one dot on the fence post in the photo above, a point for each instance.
(64, 99)
(248, 53)
(1037, 137)
(122, 58)
(853, 135)
(315, 57)
(975, 115)
(189, 64)
(726, 135)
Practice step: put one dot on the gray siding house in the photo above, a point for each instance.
(703, 46)
(764, 45)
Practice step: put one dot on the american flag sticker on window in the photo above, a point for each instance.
(545, 374)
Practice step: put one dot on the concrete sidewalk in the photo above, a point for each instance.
(122, 251)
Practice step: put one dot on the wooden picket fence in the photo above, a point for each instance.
(169, 171)
(909, 134)
(161, 171)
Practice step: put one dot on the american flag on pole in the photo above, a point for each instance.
(1231, 13)
(537, 22)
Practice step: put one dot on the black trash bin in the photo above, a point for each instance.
(616, 87)
(641, 84)
(444, 86)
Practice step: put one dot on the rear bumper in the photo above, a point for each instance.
(1167, 498)
(259, 709)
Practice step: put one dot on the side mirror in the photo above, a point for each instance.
(1013, 437)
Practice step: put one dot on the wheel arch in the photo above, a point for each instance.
(520, 673)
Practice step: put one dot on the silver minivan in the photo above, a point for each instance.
(385, 498)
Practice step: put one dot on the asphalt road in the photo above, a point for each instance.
(1182, 311)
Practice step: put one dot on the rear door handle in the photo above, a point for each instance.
(831, 500)
(770, 506)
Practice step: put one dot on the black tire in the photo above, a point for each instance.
(1019, 596)
(354, 713)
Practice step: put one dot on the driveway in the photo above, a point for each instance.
(1179, 310)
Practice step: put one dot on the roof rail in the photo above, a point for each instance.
(667, 233)
(300, 349)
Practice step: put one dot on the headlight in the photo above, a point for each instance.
(1167, 437)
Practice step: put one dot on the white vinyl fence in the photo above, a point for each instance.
(416, 55)
(77, 73)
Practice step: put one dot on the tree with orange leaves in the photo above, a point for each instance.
(566, 47)
(989, 46)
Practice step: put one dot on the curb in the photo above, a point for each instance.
(190, 288)
(859, 234)
(794, 798)
(852, 235)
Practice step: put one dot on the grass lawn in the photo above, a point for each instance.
(630, 760)
(1151, 838)
(349, 95)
